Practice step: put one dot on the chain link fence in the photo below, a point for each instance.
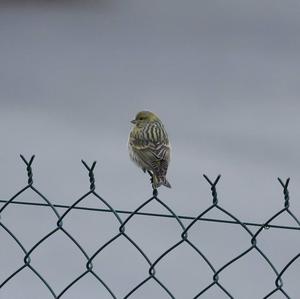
(185, 224)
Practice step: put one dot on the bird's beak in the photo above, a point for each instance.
(133, 121)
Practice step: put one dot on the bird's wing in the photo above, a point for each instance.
(151, 145)
(156, 156)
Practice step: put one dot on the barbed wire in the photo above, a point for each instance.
(122, 234)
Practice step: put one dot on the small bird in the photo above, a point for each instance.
(149, 147)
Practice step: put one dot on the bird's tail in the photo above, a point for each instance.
(159, 181)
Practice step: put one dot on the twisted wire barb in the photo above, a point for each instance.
(122, 233)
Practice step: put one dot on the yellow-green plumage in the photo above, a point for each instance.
(149, 147)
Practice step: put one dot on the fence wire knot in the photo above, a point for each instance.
(91, 174)
(28, 168)
(285, 191)
(213, 188)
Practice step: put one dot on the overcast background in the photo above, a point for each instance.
(224, 76)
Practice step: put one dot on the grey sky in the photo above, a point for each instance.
(223, 76)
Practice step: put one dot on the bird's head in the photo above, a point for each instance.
(145, 117)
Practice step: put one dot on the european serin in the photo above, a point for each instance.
(149, 147)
